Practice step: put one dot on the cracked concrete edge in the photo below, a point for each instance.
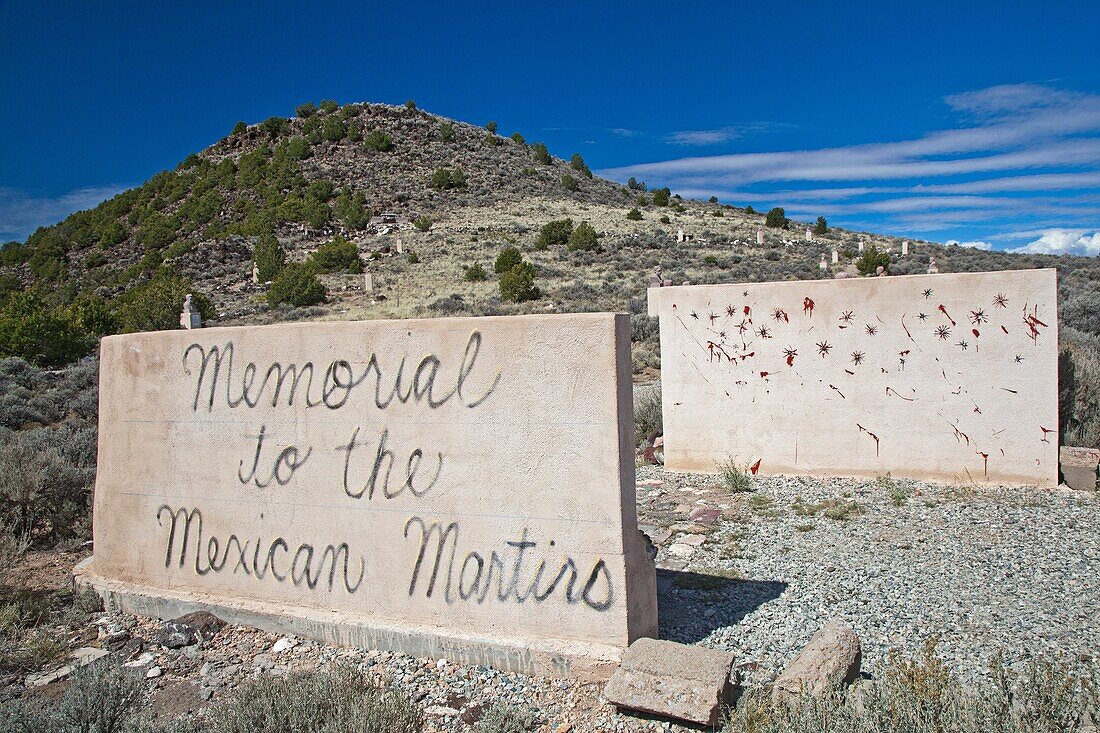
(560, 658)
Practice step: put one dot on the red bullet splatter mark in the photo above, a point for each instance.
(960, 436)
(977, 409)
(763, 375)
(875, 437)
(834, 387)
(1033, 323)
(756, 466)
(1005, 330)
(975, 332)
(985, 459)
(904, 353)
(790, 354)
(943, 310)
(1046, 433)
(1006, 389)
(892, 391)
(808, 307)
(849, 371)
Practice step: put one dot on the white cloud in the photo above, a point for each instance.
(1062, 241)
(704, 137)
(21, 214)
(973, 245)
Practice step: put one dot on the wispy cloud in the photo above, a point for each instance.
(21, 214)
(1019, 156)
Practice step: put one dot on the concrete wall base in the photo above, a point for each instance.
(585, 661)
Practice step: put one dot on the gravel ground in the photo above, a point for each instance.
(985, 571)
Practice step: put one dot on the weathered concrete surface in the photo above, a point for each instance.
(457, 488)
(831, 658)
(673, 680)
(935, 377)
(1079, 467)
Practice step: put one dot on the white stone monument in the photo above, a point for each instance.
(932, 267)
(190, 317)
(905, 248)
(400, 246)
(255, 274)
(679, 235)
(368, 283)
(836, 257)
(809, 235)
(823, 265)
(861, 246)
(759, 236)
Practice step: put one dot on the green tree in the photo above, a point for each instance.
(635, 185)
(352, 209)
(378, 142)
(448, 178)
(578, 164)
(749, 210)
(269, 257)
(44, 336)
(447, 132)
(542, 154)
(508, 258)
(822, 226)
(518, 284)
(302, 111)
(410, 104)
(583, 238)
(475, 273)
(422, 223)
(333, 129)
(634, 214)
(335, 256)
(328, 106)
(491, 126)
(555, 232)
(155, 304)
(871, 260)
(661, 196)
(239, 128)
(777, 218)
(518, 139)
(569, 183)
(296, 285)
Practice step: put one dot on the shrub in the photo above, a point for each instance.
(446, 132)
(413, 258)
(518, 139)
(273, 127)
(777, 218)
(821, 226)
(734, 477)
(155, 305)
(871, 260)
(103, 697)
(648, 417)
(335, 256)
(713, 199)
(491, 126)
(542, 155)
(578, 164)
(305, 110)
(504, 718)
(569, 183)
(296, 285)
(661, 196)
(475, 273)
(1079, 388)
(422, 223)
(508, 258)
(328, 106)
(635, 185)
(634, 214)
(750, 211)
(42, 335)
(518, 284)
(583, 238)
(665, 220)
(269, 256)
(378, 142)
(410, 104)
(239, 128)
(555, 232)
(334, 130)
(448, 178)
(710, 261)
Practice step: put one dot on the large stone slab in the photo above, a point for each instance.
(458, 488)
(832, 658)
(939, 377)
(1079, 467)
(690, 683)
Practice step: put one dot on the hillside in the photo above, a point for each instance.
(328, 170)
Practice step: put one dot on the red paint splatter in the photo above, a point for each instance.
(1005, 330)
(808, 307)
(849, 371)
(748, 313)
(756, 466)
(1046, 433)
(1033, 323)
(904, 353)
(1006, 389)
(763, 375)
(960, 435)
(985, 459)
(875, 437)
(892, 391)
(975, 332)
(943, 310)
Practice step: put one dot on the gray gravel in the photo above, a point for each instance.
(1009, 571)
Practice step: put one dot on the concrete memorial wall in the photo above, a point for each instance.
(940, 377)
(458, 488)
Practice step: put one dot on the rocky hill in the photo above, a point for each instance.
(459, 194)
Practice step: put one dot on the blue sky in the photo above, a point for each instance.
(974, 122)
